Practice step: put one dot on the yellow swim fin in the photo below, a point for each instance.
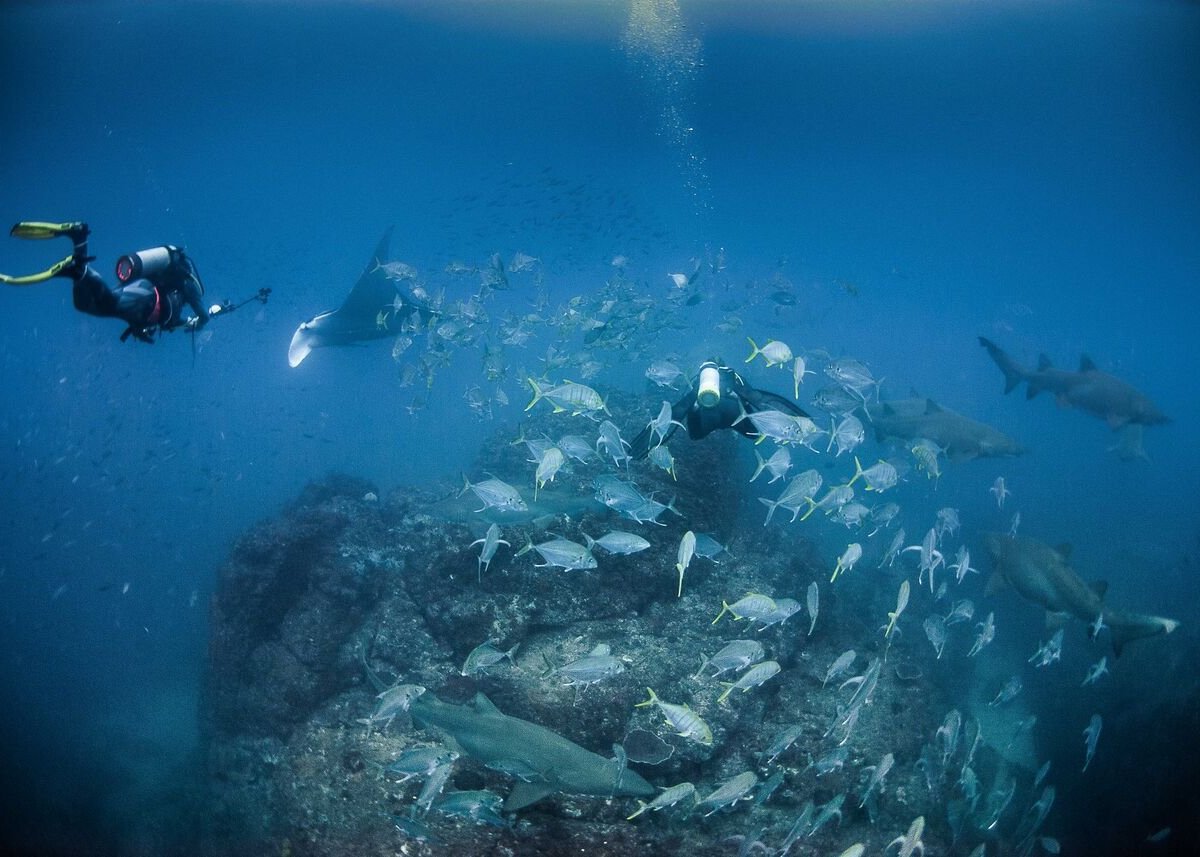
(40, 277)
(37, 230)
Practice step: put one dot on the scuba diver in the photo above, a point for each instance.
(153, 286)
(719, 399)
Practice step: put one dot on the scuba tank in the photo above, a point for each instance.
(156, 264)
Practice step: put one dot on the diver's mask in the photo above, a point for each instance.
(708, 395)
(150, 263)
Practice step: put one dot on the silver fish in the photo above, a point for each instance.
(494, 493)
(730, 792)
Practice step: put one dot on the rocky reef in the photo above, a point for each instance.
(344, 577)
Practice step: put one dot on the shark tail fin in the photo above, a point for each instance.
(1013, 373)
(1126, 628)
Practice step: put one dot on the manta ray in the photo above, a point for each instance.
(377, 307)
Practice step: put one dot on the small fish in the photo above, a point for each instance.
(1008, 693)
(853, 376)
(778, 464)
(839, 667)
(663, 424)
(882, 516)
(849, 558)
(491, 542)
(669, 797)
(879, 476)
(783, 741)
(987, 633)
(494, 493)
(591, 669)
(832, 761)
(485, 655)
(618, 542)
(948, 734)
(1000, 491)
(962, 564)
(687, 549)
(752, 606)
(1016, 523)
(962, 611)
(894, 550)
(799, 370)
(785, 608)
(901, 602)
(1091, 736)
(434, 785)
(851, 515)
(730, 792)
(927, 455)
(1096, 670)
(935, 632)
(480, 806)
(578, 448)
(708, 547)
(814, 605)
(1048, 652)
(736, 655)
(753, 677)
(687, 723)
(420, 762)
(878, 772)
(947, 523)
(776, 353)
(797, 494)
(568, 396)
(664, 373)
(930, 556)
(828, 811)
(392, 701)
(910, 843)
(847, 434)
(614, 445)
(661, 458)
(562, 553)
(552, 460)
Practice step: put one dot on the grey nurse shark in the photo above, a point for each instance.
(555, 764)
(1043, 574)
(961, 437)
(1116, 402)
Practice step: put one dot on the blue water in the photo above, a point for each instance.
(1024, 172)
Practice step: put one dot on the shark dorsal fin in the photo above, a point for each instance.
(932, 407)
(1064, 550)
(484, 705)
(1044, 363)
(1086, 364)
(888, 410)
(1100, 587)
(524, 794)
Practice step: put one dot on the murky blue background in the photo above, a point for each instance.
(1016, 170)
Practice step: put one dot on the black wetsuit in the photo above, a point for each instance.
(736, 397)
(146, 305)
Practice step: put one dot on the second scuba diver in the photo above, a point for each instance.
(719, 399)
